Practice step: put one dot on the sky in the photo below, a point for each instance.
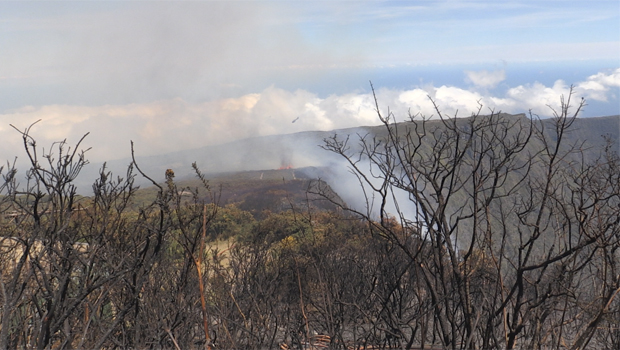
(173, 75)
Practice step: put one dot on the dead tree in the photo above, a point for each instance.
(510, 212)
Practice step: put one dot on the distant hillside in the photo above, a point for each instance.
(260, 153)
(260, 192)
(298, 150)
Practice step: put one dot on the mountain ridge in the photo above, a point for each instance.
(295, 150)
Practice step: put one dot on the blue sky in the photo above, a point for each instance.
(177, 75)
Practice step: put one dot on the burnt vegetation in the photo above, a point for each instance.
(486, 232)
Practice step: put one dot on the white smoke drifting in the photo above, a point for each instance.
(171, 125)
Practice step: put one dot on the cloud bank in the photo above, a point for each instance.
(170, 125)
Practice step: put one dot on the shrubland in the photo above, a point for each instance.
(513, 242)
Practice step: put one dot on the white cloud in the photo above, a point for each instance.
(536, 97)
(122, 52)
(597, 86)
(176, 124)
(456, 99)
(486, 79)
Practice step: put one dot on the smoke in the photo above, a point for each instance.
(172, 125)
(122, 52)
(360, 192)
